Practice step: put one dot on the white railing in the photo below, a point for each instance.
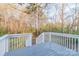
(13, 41)
(40, 39)
(67, 40)
(3, 45)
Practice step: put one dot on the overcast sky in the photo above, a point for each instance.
(54, 9)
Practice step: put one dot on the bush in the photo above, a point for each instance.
(3, 31)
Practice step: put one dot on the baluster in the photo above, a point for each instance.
(67, 43)
(18, 42)
(43, 37)
(64, 41)
(57, 39)
(53, 38)
(75, 44)
(10, 43)
(60, 40)
(13, 43)
(43, 40)
(50, 36)
(78, 44)
(16, 45)
(21, 42)
(24, 41)
(72, 43)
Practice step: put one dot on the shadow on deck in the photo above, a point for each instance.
(44, 49)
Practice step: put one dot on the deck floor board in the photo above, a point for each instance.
(44, 49)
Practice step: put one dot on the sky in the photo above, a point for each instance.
(53, 9)
(69, 10)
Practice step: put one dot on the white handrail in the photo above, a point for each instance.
(70, 41)
(63, 34)
(5, 41)
(40, 39)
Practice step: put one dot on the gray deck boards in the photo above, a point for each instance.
(45, 49)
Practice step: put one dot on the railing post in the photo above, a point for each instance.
(7, 45)
(29, 41)
(43, 38)
(72, 43)
(2, 47)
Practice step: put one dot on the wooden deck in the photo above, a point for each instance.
(47, 44)
(44, 49)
